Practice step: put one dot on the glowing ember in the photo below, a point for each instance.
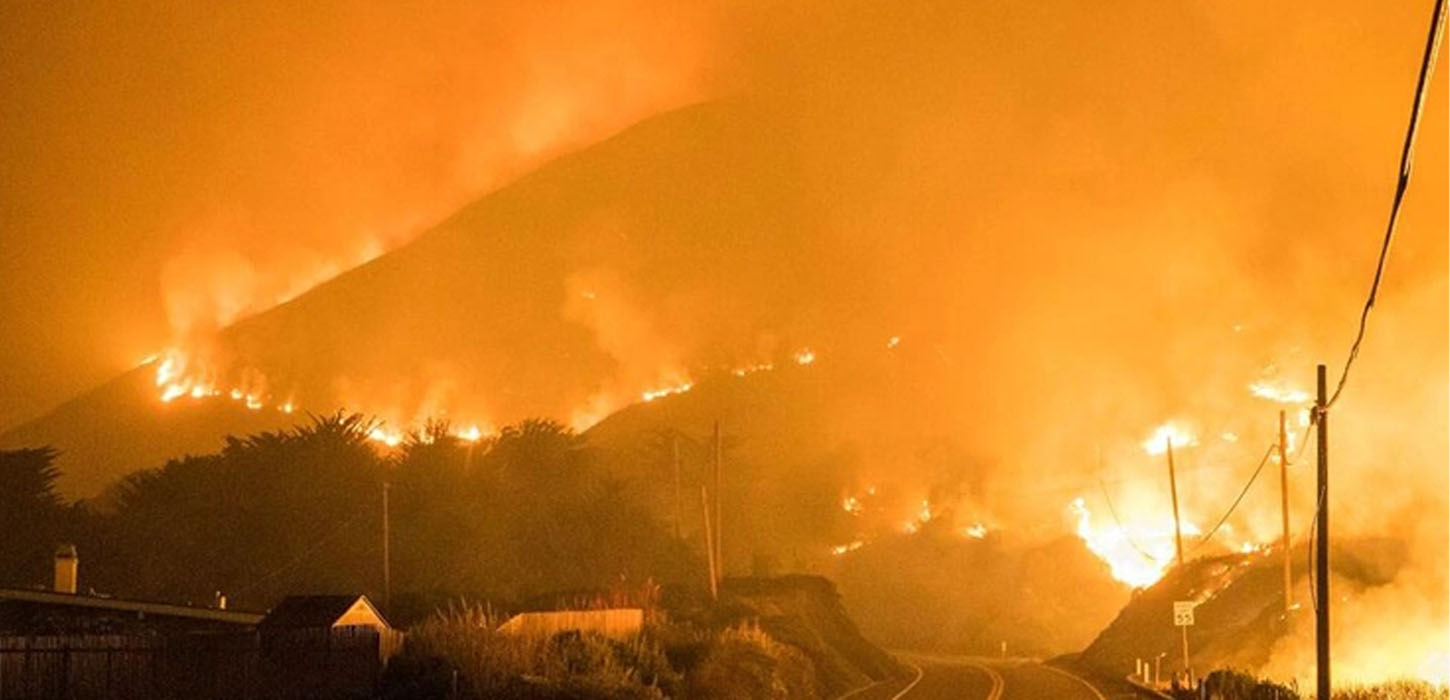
(975, 531)
(851, 505)
(1158, 444)
(805, 356)
(893, 341)
(653, 394)
(852, 546)
(924, 514)
(752, 369)
(389, 438)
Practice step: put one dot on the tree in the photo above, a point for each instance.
(29, 505)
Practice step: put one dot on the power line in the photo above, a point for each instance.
(1121, 527)
(1407, 161)
(1257, 470)
(302, 555)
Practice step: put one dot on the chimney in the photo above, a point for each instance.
(67, 564)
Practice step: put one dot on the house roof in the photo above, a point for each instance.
(115, 604)
(303, 611)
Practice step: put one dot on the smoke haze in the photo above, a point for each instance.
(1078, 224)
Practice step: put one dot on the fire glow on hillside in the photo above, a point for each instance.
(179, 375)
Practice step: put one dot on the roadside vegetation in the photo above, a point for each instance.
(502, 519)
(1236, 685)
(461, 653)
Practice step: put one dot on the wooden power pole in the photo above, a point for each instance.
(1173, 491)
(1321, 544)
(719, 523)
(709, 544)
(1284, 507)
(1177, 533)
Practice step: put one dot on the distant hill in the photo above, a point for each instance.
(487, 316)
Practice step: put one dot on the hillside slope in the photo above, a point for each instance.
(1240, 621)
(486, 318)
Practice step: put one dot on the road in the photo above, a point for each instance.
(972, 678)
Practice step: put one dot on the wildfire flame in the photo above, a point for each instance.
(391, 438)
(1137, 553)
(653, 394)
(752, 369)
(1279, 393)
(1158, 443)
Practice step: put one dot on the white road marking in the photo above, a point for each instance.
(912, 684)
(862, 689)
(998, 684)
(1077, 678)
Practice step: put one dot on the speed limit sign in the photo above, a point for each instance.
(1183, 613)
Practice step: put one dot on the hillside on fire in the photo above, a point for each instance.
(635, 349)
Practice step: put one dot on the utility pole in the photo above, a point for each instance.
(1177, 534)
(387, 566)
(675, 460)
(709, 543)
(1284, 506)
(1321, 545)
(1173, 490)
(719, 524)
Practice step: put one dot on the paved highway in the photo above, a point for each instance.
(973, 678)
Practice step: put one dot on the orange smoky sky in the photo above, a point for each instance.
(1086, 220)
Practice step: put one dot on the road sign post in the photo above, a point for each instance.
(1182, 613)
(1183, 619)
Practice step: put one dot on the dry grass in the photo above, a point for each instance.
(490, 664)
(744, 663)
(1395, 690)
(1234, 685)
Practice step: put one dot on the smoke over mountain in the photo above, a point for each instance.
(1038, 232)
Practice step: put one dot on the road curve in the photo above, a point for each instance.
(974, 678)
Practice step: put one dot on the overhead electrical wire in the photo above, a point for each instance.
(1257, 470)
(1407, 162)
(1402, 183)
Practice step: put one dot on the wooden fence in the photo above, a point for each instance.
(341, 663)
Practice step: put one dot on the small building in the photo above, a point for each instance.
(327, 645)
(322, 612)
(25, 612)
(63, 611)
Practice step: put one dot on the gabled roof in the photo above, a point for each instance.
(114, 604)
(313, 611)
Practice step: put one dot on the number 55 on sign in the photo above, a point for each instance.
(1183, 613)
